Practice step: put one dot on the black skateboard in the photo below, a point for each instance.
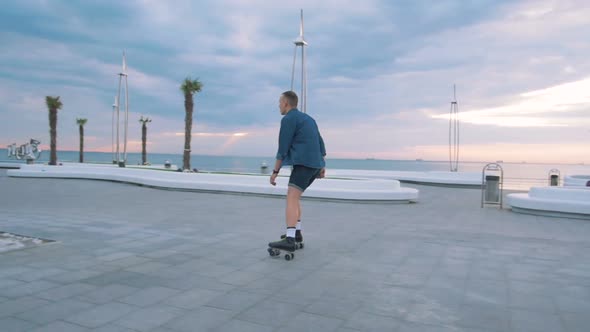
(276, 252)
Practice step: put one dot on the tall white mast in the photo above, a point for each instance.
(122, 76)
(454, 133)
(300, 42)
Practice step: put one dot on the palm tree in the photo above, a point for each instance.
(81, 123)
(189, 87)
(144, 122)
(53, 104)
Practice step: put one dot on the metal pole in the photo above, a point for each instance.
(113, 130)
(305, 80)
(454, 133)
(118, 119)
(302, 77)
(293, 68)
(126, 119)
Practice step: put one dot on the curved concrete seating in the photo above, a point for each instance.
(451, 179)
(576, 181)
(11, 165)
(552, 201)
(330, 189)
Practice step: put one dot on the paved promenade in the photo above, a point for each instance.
(130, 258)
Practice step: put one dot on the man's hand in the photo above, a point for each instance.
(273, 177)
(322, 173)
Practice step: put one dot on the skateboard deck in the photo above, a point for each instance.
(276, 252)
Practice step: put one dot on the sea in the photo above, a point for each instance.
(517, 176)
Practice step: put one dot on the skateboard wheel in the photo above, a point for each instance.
(301, 245)
(288, 257)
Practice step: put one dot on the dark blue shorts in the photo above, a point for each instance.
(302, 176)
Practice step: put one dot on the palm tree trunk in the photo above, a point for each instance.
(81, 144)
(143, 143)
(53, 136)
(188, 124)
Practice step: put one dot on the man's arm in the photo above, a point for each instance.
(286, 136)
(285, 139)
(322, 146)
(323, 151)
(275, 172)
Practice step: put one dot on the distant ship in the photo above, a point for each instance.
(419, 159)
(499, 161)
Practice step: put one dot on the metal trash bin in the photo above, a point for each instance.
(554, 177)
(492, 190)
(554, 180)
(492, 183)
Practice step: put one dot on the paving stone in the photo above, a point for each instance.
(192, 299)
(573, 305)
(149, 318)
(538, 303)
(484, 316)
(62, 292)
(39, 274)
(115, 328)
(73, 276)
(15, 325)
(392, 302)
(29, 288)
(333, 307)
(523, 320)
(270, 313)
(101, 314)
(368, 322)
(54, 311)
(149, 296)
(310, 322)
(576, 322)
(487, 292)
(11, 307)
(112, 277)
(235, 325)
(104, 294)
(202, 319)
(59, 326)
(4, 283)
(236, 300)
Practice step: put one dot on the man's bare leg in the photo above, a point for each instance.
(293, 211)
(291, 214)
(298, 236)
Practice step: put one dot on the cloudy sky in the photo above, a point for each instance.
(380, 74)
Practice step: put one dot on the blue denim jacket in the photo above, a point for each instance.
(300, 142)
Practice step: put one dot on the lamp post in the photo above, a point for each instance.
(144, 122)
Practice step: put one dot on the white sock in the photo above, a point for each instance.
(298, 227)
(290, 232)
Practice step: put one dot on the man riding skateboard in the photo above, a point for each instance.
(302, 146)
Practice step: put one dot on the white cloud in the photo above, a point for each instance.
(529, 110)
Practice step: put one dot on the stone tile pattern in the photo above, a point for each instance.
(129, 258)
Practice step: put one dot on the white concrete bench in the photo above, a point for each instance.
(576, 181)
(330, 189)
(451, 179)
(552, 201)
